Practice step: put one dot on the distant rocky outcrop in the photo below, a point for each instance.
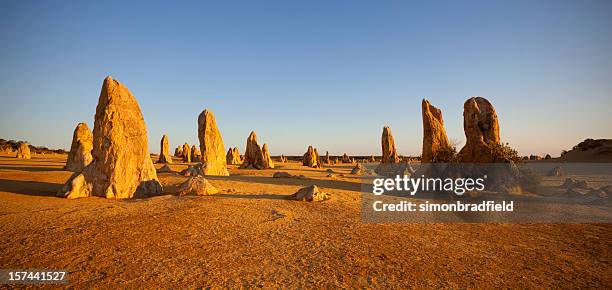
(164, 155)
(233, 156)
(327, 158)
(311, 158)
(178, 152)
(534, 157)
(346, 159)
(253, 155)
(80, 149)
(23, 151)
(122, 166)
(589, 150)
(436, 147)
(282, 159)
(186, 153)
(481, 127)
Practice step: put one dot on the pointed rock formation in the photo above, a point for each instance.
(327, 158)
(311, 158)
(211, 145)
(186, 153)
(80, 150)
(283, 159)
(195, 153)
(319, 163)
(436, 147)
(122, 166)
(178, 152)
(481, 128)
(233, 156)
(390, 164)
(164, 156)
(389, 154)
(253, 155)
(267, 160)
(346, 159)
(23, 151)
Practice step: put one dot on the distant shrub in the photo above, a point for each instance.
(445, 155)
(502, 152)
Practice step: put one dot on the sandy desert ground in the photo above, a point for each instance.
(252, 235)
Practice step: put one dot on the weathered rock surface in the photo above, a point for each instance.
(327, 158)
(164, 155)
(23, 151)
(481, 128)
(186, 153)
(267, 160)
(311, 158)
(80, 150)
(436, 147)
(197, 185)
(310, 193)
(389, 153)
(122, 166)
(233, 156)
(253, 155)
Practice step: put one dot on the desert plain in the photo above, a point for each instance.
(251, 234)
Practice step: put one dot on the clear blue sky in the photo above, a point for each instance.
(326, 73)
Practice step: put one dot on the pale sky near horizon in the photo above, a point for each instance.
(326, 73)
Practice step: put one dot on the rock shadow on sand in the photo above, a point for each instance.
(34, 188)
